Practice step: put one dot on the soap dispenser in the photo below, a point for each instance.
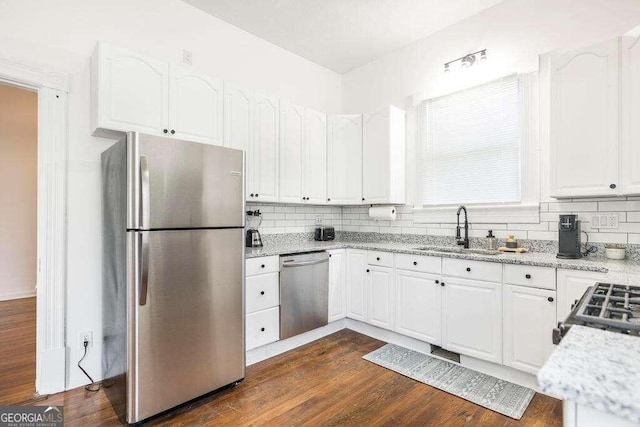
(492, 242)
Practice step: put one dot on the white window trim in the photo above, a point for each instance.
(528, 210)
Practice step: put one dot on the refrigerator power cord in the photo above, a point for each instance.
(93, 387)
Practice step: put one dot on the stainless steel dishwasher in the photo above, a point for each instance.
(304, 292)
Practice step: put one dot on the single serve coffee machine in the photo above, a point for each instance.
(569, 237)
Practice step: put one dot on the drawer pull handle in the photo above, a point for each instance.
(550, 299)
(415, 262)
(528, 276)
(261, 292)
(469, 269)
(261, 329)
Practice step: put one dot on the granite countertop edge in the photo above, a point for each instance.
(586, 368)
(538, 259)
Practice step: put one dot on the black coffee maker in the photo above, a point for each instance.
(569, 237)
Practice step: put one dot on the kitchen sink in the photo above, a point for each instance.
(449, 249)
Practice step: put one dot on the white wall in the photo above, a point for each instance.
(513, 32)
(62, 35)
(18, 191)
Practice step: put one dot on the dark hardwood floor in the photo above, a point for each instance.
(323, 383)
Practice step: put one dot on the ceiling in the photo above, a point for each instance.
(342, 34)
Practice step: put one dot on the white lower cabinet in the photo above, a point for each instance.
(357, 284)
(472, 318)
(381, 293)
(529, 318)
(571, 285)
(262, 327)
(418, 305)
(337, 291)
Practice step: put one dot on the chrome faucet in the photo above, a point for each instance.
(459, 240)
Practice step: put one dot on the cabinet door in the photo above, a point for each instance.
(337, 276)
(195, 106)
(630, 110)
(265, 149)
(315, 158)
(584, 122)
(381, 292)
(572, 284)
(344, 159)
(238, 127)
(291, 139)
(132, 91)
(418, 302)
(529, 318)
(472, 318)
(356, 284)
(375, 157)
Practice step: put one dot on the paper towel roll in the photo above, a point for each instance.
(383, 212)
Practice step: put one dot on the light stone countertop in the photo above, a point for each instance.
(596, 368)
(623, 272)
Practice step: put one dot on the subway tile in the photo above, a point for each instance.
(544, 207)
(304, 209)
(542, 226)
(542, 235)
(413, 230)
(633, 216)
(607, 238)
(488, 226)
(633, 205)
(568, 207)
(634, 239)
(295, 216)
(440, 232)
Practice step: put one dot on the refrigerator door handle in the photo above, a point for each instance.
(144, 194)
(144, 267)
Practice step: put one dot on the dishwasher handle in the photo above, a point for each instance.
(301, 263)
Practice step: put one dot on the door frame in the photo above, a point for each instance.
(52, 88)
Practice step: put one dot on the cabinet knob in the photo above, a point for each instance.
(165, 130)
(262, 329)
(329, 255)
(173, 132)
(469, 269)
(612, 186)
(251, 194)
(367, 270)
(441, 283)
(415, 262)
(378, 258)
(262, 266)
(437, 281)
(528, 276)
(328, 200)
(261, 292)
(363, 199)
(256, 194)
(550, 299)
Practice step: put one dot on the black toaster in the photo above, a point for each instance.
(325, 233)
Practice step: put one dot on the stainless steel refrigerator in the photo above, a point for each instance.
(173, 272)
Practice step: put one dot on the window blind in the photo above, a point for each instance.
(471, 147)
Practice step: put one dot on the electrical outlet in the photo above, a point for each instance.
(187, 57)
(88, 336)
(604, 221)
(318, 219)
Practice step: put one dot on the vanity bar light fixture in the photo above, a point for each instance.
(467, 60)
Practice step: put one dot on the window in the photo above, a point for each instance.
(471, 146)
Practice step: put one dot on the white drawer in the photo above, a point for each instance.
(425, 264)
(476, 270)
(384, 259)
(263, 327)
(262, 291)
(527, 275)
(260, 265)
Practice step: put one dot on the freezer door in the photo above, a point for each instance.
(180, 184)
(188, 333)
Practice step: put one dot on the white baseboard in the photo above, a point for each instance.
(17, 295)
(51, 371)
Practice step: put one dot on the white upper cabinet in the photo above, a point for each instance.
(238, 126)
(344, 159)
(291, 152)
(584, 123)
(265, 150)
(129, 92)
(195, 106)
(314, 186)
(383, 156)
(630, 114)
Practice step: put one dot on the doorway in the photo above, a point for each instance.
(18, 242)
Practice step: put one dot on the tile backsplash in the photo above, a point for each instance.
(284, 218)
